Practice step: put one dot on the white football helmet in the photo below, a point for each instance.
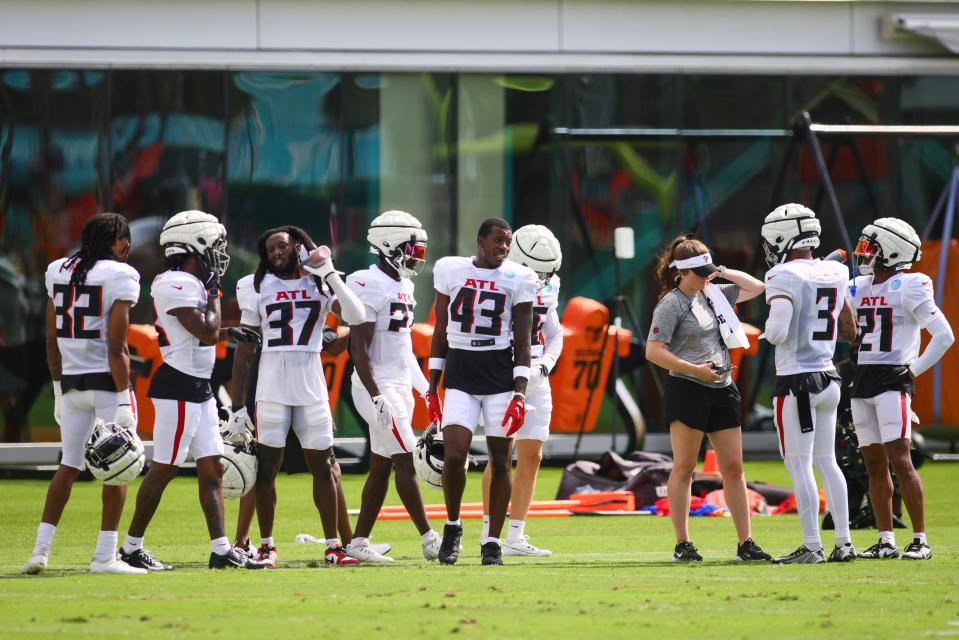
(787, 227)
(239, 467)
(114, 454)
(428, 457)
(401, 240)
(536, 247)
(199, 234)
(888, 243)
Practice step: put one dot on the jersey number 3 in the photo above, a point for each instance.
(828, 314)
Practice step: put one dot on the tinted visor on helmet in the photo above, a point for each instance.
(867, 250)
(414, 256)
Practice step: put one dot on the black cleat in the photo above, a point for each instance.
(802, 555)
(491, 553)
(143, 559)
(450, 547)
(917, 551)
(232, 559)
(880, 551)
(844, 553)
(749, 551)
(686, 552)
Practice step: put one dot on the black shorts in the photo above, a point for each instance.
(872, 379)
(704, 408)
(169, 383)
(102, 381)
(479, 373)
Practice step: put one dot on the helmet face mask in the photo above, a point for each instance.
(399, 239)
(867, 255)
(113, 454)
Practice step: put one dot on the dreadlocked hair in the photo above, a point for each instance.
(100, 233)
(681, 248)
(297, 236)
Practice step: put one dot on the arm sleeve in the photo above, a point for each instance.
(666, 316)
(942, 339)
(552, 340)
(777, 325)
(351, 309)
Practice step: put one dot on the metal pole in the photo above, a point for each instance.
(805, 125)
(941, 284)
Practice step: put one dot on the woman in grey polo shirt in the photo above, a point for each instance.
(687, 338)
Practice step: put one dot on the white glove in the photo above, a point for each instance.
(124, 415)
(240, 427)
(538, 374)
(382, 410)
(57, 395)
(320, 262)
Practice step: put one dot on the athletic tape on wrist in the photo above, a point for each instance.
(437, 364)
(520, 372)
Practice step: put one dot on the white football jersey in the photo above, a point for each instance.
(83, 311)
(181, 349)
(817, 289)
(545, 311)
(482, 300)
(891, 316)
(291, 315)
(389, 304)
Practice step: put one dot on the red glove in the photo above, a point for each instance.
(515, 414)
(434, 408)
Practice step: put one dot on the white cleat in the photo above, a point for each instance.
(35, 565)
(381, 548)
(431, 546)
(115, 565)
(522, 547)
(365, 553)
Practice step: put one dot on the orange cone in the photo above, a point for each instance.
(709, 462)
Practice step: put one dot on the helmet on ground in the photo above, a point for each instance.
(787, 227)
(428, 457)
(238, 460)
(401, 240)
(536, 247)
(114, 454)
(888, 243)
(198, 234)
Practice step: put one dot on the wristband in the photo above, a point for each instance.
(123, 397)
(437, 364)
(520, 372)
(215, 291)
(522, 396)
(57, 389)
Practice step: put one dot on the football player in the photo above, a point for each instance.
(479, 300)
(536, 247)
(186, 302)
(287, 301)
(892, 308)
(88, 312)
(808, 311)
(385, 374)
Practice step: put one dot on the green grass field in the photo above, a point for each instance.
(608, 578)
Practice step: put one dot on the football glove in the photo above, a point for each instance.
(124, 415)
(329, 336)
(57, 395)
(319, 262)
(515, 414)
(239, 426)
(434, 408)
(243, 334)
(382, 410)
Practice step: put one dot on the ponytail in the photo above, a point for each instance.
(682, 247)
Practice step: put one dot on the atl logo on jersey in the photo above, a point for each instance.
(874, 301)
(475, 283)
(292, 295)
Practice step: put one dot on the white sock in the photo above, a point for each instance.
(489, 539)
(268, 542)
(485, 532)
(807, 498)
(458, 522)
(358, 541)
(514, 532)
(837, 497)
(920, 536)
(106, 546)
(132, 544)
(332, 543)
(45, 533)
(221, 546)
(887, 536)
